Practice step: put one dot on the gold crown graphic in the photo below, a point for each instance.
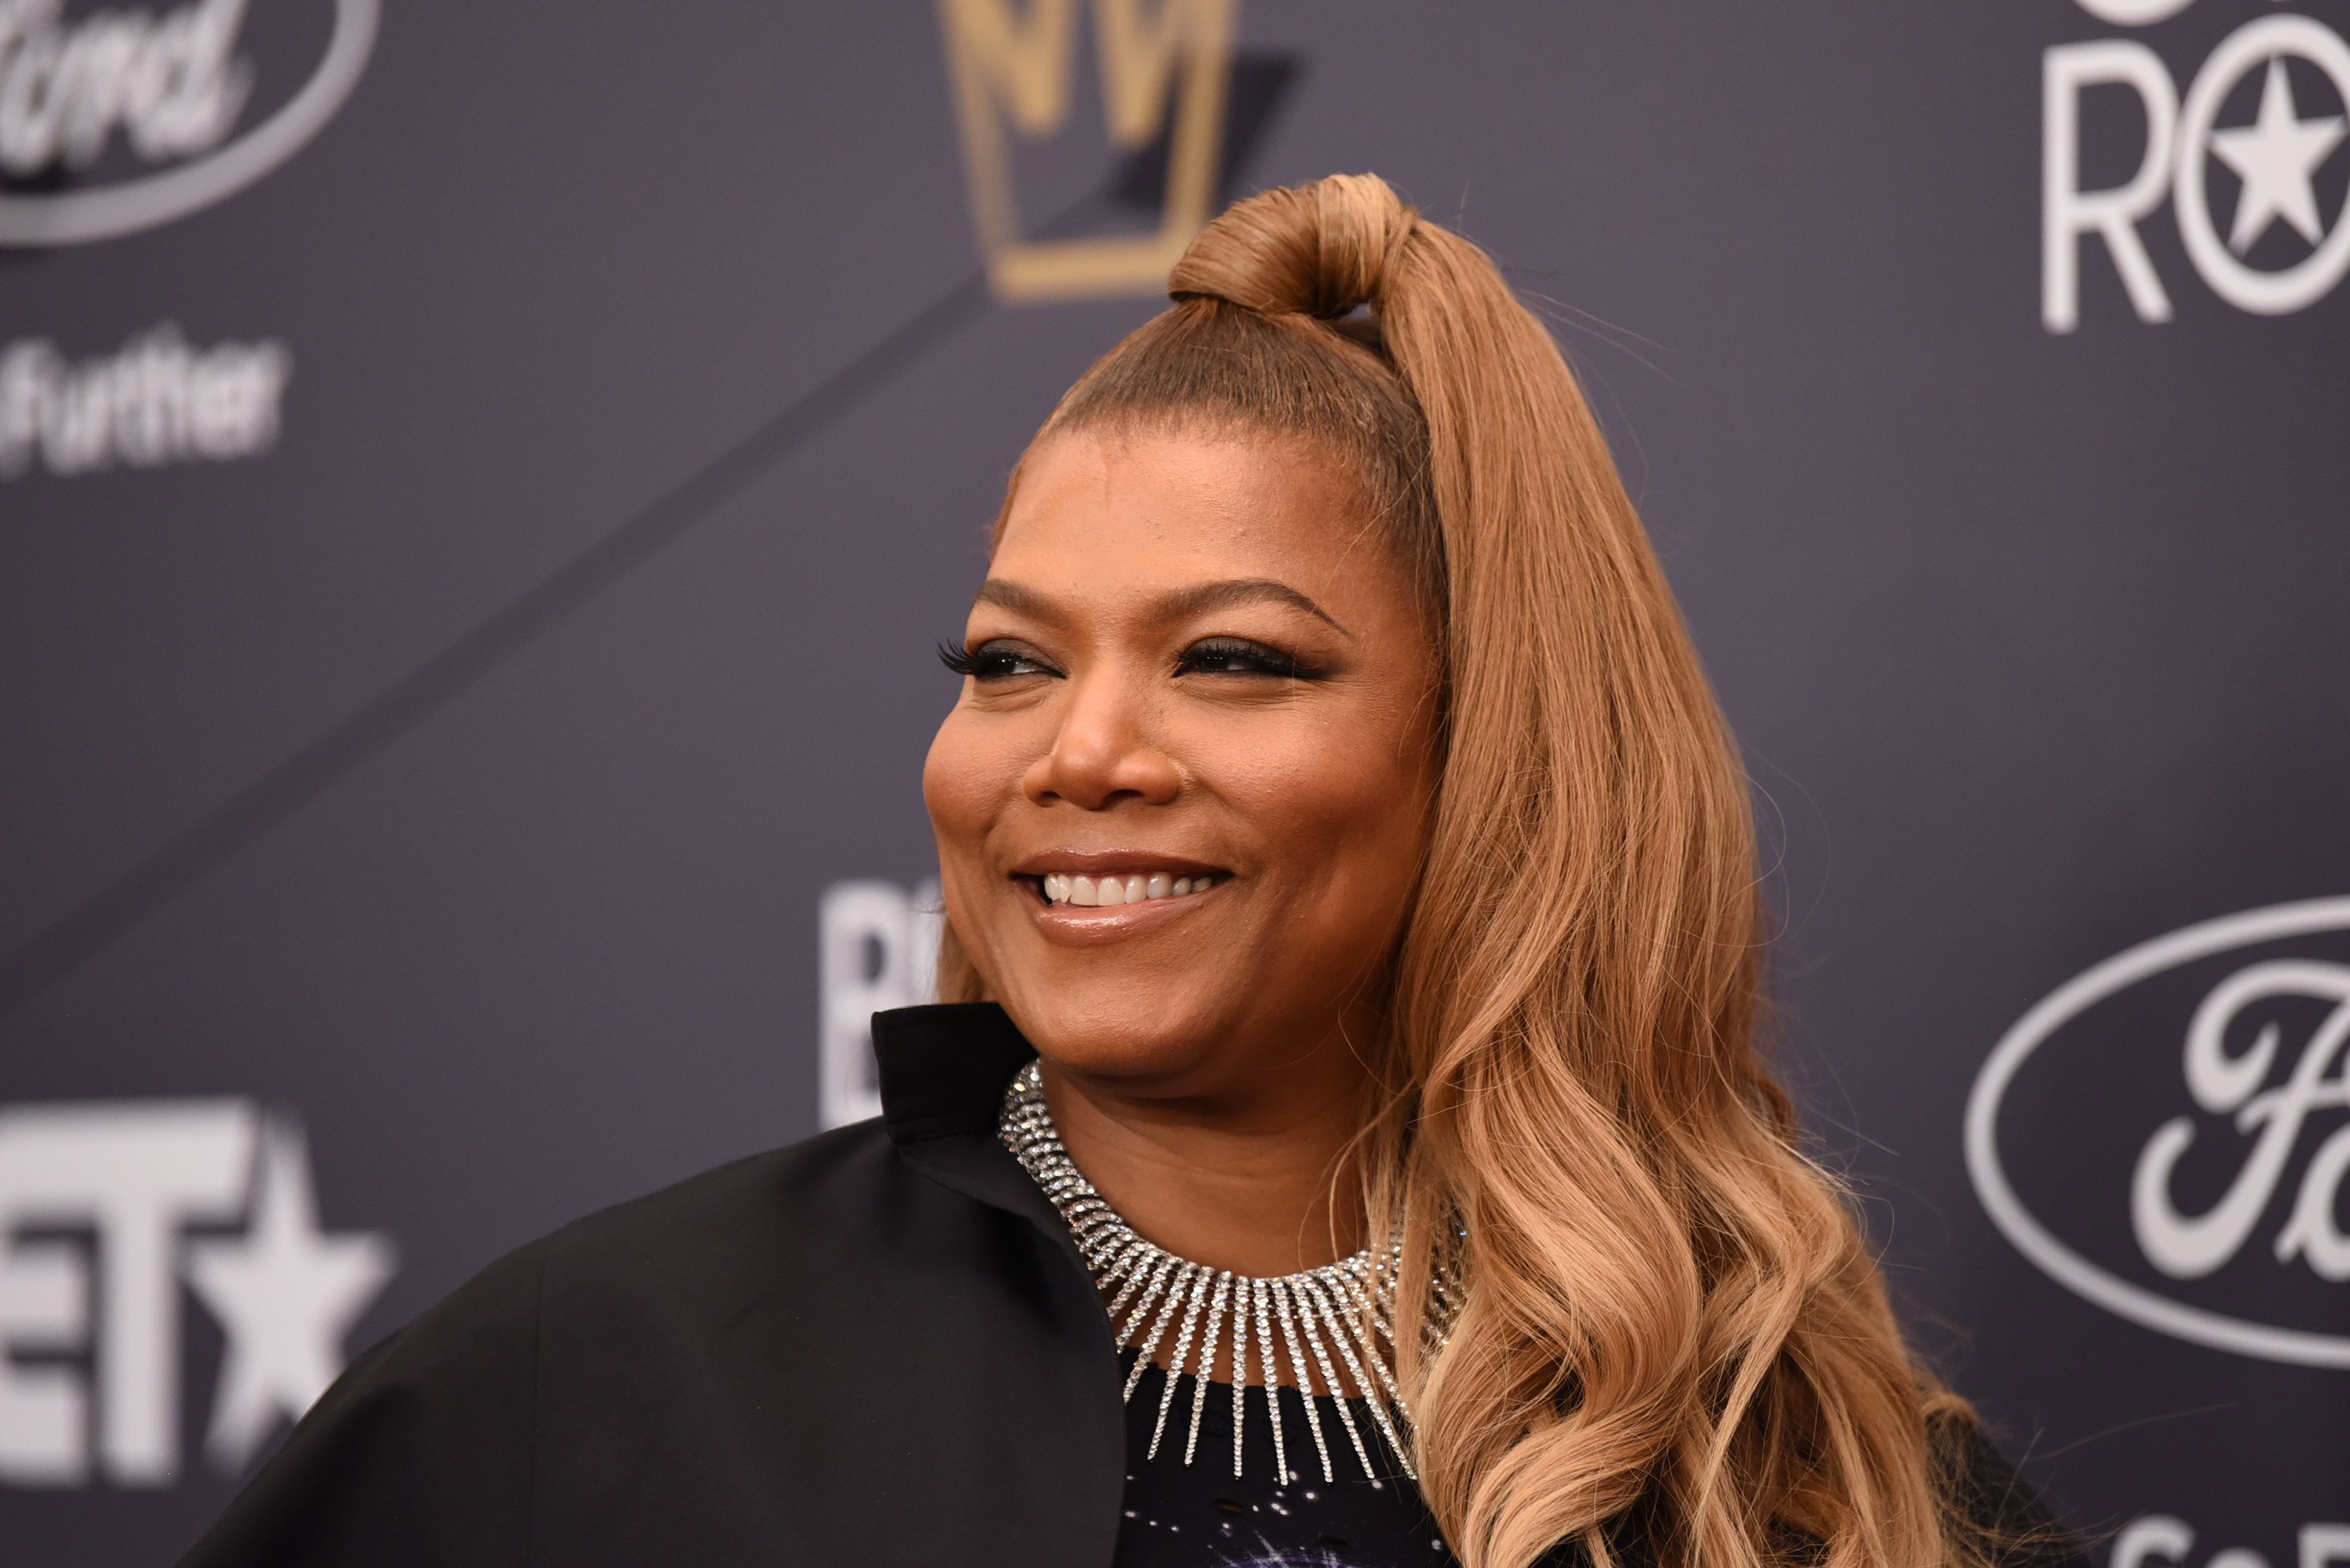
(1164, 67)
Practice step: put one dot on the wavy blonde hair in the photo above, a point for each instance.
(1676, 1344)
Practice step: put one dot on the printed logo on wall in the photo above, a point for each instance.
(177, 89)
(1164, 74)
(2164, 1541)
(2233, 1206)
(877, 947)
(107, 1210)
(156, 401)
(2287, 240)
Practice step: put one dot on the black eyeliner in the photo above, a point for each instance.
(997, 658)
(1268, 660)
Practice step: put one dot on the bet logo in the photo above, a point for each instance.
(111, 1214)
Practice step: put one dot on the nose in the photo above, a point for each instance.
(1103, 752)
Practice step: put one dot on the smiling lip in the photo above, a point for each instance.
(1072, 885)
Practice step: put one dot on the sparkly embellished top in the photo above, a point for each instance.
(1200, 1515)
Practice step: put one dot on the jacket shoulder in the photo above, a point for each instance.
(814, 1195)
(428, 1446)
(420, 1452)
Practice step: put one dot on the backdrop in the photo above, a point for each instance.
(479, 487)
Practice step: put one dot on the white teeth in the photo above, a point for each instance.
(1086, 892)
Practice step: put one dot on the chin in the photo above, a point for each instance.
(1127, 1033)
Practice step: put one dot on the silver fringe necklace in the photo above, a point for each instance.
(1337, 1313)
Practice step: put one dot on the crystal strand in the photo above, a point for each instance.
(1199, 1278)
(1100, 1238)
(1137, 1251)
(1304, 1378)
(1148, 1347)
(1373, 1296)
(1207, 1361)
(1445, 1299)
(1168, 1263)
(1342, 1313)
(1263, 1294)
(1378, 1408)
(1307, 1311)
(1239, 1366)
(1359, 1303)
(1088, 1211)
(1391, 1413)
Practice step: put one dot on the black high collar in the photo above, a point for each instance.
(944, 1068)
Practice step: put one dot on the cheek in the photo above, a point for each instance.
(960, 788)
(958, 792)
(1344, 811)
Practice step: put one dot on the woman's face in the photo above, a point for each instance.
(1196, 662)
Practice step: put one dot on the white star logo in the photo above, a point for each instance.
(2275, 156)
(287, 1295)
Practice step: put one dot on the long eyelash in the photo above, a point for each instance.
(1272, 660)
(956, 660)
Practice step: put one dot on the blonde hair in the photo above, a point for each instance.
(1676, 1342)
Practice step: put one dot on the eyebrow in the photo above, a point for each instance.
(1198, 599)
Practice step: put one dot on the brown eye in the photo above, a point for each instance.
(994, 660)
(1238, 656)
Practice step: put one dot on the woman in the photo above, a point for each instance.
(1345, 1140)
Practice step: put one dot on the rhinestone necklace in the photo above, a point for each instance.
(1336, 1313)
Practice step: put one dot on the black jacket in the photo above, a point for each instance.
(880, 1346)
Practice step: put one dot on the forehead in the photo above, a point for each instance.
(1151, 507)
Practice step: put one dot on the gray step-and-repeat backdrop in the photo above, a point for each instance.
(479, 486)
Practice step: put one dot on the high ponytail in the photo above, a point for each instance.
(1323, 249)
(1675, 1341)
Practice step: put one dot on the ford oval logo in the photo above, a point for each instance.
(2261, 1054)
(172, 87)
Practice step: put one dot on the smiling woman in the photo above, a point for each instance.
(1342, 1139)
(1172, 674)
